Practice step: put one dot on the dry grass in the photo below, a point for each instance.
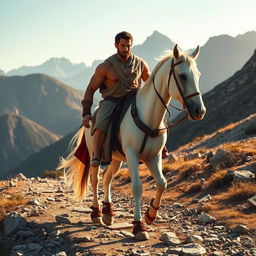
(195, 188)
(8, 203)
(241, 191)
(53, 174)
(219, 180)
(206, 207)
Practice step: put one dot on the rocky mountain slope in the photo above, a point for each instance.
(229, 102)
(20, 137)
(42, 99)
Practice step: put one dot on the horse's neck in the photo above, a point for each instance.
(150, 109)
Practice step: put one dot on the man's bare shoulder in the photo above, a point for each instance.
(103, 67)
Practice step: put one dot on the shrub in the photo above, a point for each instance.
(240, 191)
(52, 174)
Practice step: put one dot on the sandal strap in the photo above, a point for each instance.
(108, 208)
(95, 212)
(138, 227)
(151, 205)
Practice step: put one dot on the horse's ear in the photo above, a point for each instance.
(176, 51)
(195, 53)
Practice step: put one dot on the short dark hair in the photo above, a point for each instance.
(124, 35)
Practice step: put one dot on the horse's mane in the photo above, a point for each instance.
(167, 55)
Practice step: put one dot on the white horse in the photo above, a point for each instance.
(175, 76)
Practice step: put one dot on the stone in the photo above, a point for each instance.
(252, 200)
(240, 229)
(62, 220)
(176, 251)
(24, 233)
(126, 233)
(34, 247)
(192, 156)
(193, 249)
(241, 175)
(35, 202)
(169, 238)
(221, 158)
(197, 238)
(176, 205)
(20, 176)
(172, 157)
(205, 218)
(203, 199)
(13, 223)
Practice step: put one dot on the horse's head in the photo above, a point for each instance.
(184, 83)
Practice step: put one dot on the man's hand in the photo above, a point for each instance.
(86, 120)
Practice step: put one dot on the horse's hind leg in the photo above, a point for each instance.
(155, 166)
(96, 214)
(108, 214)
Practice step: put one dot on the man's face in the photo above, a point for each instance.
(124, 48)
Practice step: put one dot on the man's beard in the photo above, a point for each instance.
(123, 55)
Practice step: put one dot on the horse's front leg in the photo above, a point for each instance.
(139, 230)
(96, 213)
(108, 212)
(155, 166)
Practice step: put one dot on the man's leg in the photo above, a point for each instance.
(98, 141)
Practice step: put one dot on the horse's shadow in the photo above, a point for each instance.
(50, 229)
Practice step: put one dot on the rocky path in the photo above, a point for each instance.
(52, 223)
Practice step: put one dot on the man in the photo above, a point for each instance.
(115, 77)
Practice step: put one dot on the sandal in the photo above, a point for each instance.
(149, 220)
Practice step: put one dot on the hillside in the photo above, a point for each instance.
(46, 159)
(20, 137)
(222, 56)
(42, 99)
(229, 102)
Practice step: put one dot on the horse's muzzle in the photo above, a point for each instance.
(196, 112)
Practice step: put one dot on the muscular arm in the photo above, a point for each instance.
(146, 72)
(94, 84)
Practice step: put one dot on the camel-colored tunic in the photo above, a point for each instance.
(129, 78)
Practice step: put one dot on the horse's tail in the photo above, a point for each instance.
(76, 173)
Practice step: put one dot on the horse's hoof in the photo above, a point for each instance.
(142, 235)
(108, 219)
(97, 220)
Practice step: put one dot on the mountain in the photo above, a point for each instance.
(2, 73)
(229, 102)
(61, 68)
(46, 159)
(20, 137)
(42, 99)
(154, 47)
(222, 56)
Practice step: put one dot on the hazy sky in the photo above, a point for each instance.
(32, 31)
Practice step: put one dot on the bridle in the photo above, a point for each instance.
(156, 132)
(184, 98)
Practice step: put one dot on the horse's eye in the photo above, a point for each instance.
(183, 77)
